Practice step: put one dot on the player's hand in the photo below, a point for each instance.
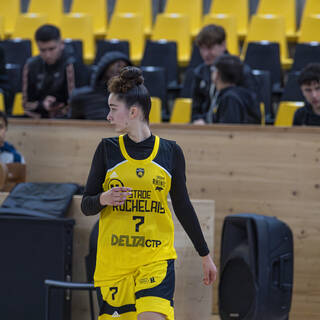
(115, 196)
(209, 270)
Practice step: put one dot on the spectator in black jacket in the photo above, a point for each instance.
(211, 41)
(234, 103)
(309, 81)
(49, 78)
(91, 102)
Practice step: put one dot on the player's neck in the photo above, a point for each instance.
(140, 133)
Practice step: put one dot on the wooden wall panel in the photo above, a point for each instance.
(265, 170)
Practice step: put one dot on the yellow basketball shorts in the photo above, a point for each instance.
(149, 289)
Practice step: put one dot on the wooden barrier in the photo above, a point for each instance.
(264, 170)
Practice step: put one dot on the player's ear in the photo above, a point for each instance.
(133, 112)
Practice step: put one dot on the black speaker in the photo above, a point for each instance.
(256, 268)
(32, 250)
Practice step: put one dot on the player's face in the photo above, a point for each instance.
(311, 92)
(210, 54)
(118, 114)
(50, 51)
(3, 130)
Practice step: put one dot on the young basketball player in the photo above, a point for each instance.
(129, 181)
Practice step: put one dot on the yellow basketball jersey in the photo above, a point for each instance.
(140, 231)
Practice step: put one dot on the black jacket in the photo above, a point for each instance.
(306, 117)
(41, 80)
(91, 102)
(236, 105)
(201, 89)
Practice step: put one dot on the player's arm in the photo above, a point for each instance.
(186, 215)
(90, 204)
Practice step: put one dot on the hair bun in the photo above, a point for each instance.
(128, 78)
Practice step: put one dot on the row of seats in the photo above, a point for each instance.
(132, 21)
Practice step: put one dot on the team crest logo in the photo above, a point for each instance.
(140, 172)
(114, 183)
(159, 183)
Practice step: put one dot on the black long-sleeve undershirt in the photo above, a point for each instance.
(181, 203)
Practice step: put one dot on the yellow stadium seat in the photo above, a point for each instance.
(155, 112)
(310, 7)
(78, 26)
(181, 112)
(10, 10)
(285, 113)
(142, 7)
(191, 8)
(269, 28)
(97, 9)
(229, 23)
(52, 9)
(17, 109)
(129, 27)
(308, 29)
(285, 8)
(2, 34)
(239, 8)
(2, 103)
(26, 26)
(263, 113)
(174, 27)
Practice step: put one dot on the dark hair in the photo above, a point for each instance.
(311, 73)
(4, 117)
(129, 87)
(230, 69)
(47, 32)
(210, 35)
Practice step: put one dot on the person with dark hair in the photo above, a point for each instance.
(211, 41)
(129, 181)
(89, 102)
(309, 82)
(8, 153)
(49, 78)
(234, 104)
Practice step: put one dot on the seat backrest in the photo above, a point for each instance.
(270, 28)
(52, 9)
(78, 26)
(229, 23)
(162, 54)
(155, 112)
(181, 112)
(285, 113)
(305, 53)
(17, 51)
(308, 28)
(129, 27)
(17, 109)
(292, 91)
(310, 7)
(26, 26)
(156, 83)
(142, 7)
(191, 8)
(174, 27)
(10, 10)
(2, 102)
(2, 31)
(265, 56)
(239, 8)
(285, 8)
(97, 9)
(104, 46)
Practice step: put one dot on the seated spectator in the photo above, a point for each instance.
(211, 41)
(309, 82)
(8, 153)
(91, 102)
(234, 103)
(48, 79)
